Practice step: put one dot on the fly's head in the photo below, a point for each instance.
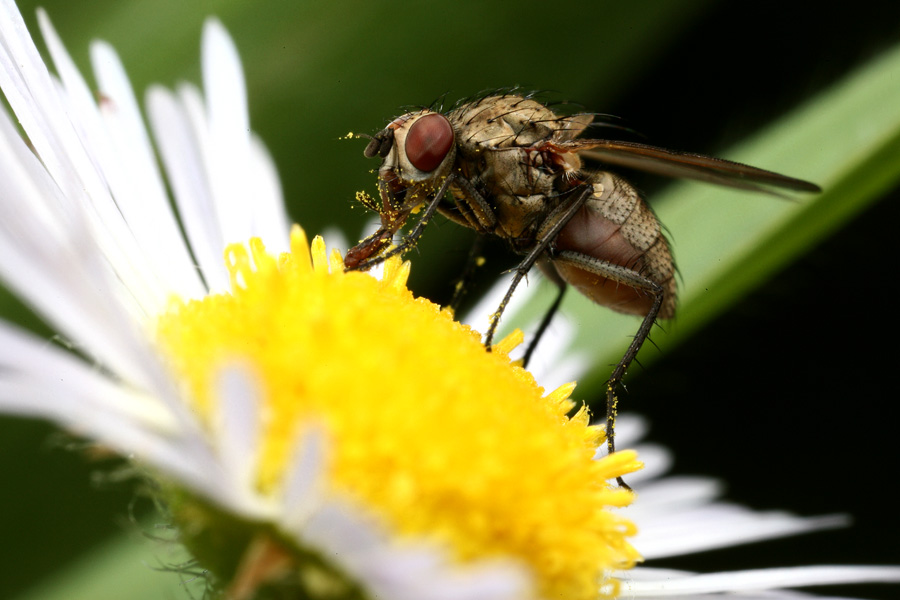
(417, 151)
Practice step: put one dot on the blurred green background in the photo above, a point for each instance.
(776, 375)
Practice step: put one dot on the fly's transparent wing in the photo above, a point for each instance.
(671, 163)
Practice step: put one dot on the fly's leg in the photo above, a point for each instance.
(410, 240)
(475, 210)
(550, 272)
(372, 245)
(631, 278)
(471, 210)
(556, 221)
(474, 261)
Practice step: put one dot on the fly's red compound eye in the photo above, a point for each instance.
(428, 141)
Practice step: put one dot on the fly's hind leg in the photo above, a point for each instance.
(633, 279)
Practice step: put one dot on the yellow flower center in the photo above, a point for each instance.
(439, 438)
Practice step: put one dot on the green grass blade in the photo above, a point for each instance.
(124, 567)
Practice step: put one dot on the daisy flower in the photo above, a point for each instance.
(313, 433)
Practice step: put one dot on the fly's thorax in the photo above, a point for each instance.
(520, 187)
(512, 121)
(517, 172)
(502, 122)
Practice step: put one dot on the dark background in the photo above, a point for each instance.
(787, 397)
(791, 388)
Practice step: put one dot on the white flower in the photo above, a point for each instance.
(89, 241)
(87, 238)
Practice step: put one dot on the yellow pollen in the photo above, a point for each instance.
(425, 429)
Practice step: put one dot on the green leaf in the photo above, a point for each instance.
(124, 567)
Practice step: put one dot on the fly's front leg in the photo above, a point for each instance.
(409, 241)
(471, 210)
(633, 279)
(551, 228)
(372, 245)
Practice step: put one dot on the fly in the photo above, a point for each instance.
(508, 166)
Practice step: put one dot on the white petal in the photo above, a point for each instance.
(335, 239)
(237, 433)
(132, 174)
(479, 317)
(27, 357)
(676, 493)
(40, 380)
(225, 183)
(89, 241)
(552, 365)
(182, 154)
(228, 153)
(114, 138)
(54, 264)
(631, 428)
(657, 461)
(306, 478)
(406, 572)
(650, 583)
(271, 222)
(719, 526)
(43, 108)
(34, 98)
